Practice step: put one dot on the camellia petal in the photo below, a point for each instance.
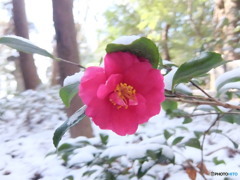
(126, 92)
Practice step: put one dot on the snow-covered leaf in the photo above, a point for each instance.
(24, 45)
(142, 47)
(68, 92)
(197, 67)
(73, 120)
(228, 80)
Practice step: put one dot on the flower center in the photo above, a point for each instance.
(124, 95)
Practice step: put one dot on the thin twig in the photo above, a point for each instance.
(204, 136)
(204, 92)
(205, 114)
(200, 102)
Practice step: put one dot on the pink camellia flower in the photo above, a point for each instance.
(126, 92)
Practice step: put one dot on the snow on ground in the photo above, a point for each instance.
(28, 120)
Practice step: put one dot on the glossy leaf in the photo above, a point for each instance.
(197, 67)
(142, 47)
(24, 45)
(73, 120)
(68, 92)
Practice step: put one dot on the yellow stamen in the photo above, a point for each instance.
(123, 96)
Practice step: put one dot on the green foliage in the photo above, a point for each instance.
(197, 67)
(193, 142)
(169, 106)
(109, 166)
(177, 140)
(24, 45)
(142, 47)
(68, 92)
(217, 162)
(190, 24)
(73, 120)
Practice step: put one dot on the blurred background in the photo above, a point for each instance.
(78, 31)
(180, 28)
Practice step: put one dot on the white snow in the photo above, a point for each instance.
(226, 87)
(237, 50)
(125, 40)
(72, 120)
(75, 78)
(81, 157)
(222, 79)
(26, 137)
(168, 79)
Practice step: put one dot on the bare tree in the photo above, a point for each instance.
(67, 48)
(165, 54)
(28, 68)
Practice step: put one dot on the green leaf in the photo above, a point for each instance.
(234, 143)
(24, 45)
(142, 47)
(104, 138)
(228, 77)
(187, 120)
(69, 178)
(167, 134)
(197, 67)
(68, 92)
(198, 134)
(142, 171)
(169, 105)
(228, 86)
(217, 162)
(177, 140)
(231, 118)
(193, 142)
(89, 173)
(65, 147)
(73, 120)
(152, 154)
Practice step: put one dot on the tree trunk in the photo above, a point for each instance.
(226, 18)
(67, 49)
(28, 68)
(165, 54)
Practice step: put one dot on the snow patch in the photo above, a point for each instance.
(228, 75)
(226, 87)
(168, 80)
(125, 40)
(75, 78)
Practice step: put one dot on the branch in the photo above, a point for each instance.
(206, 114)
(202, 102)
